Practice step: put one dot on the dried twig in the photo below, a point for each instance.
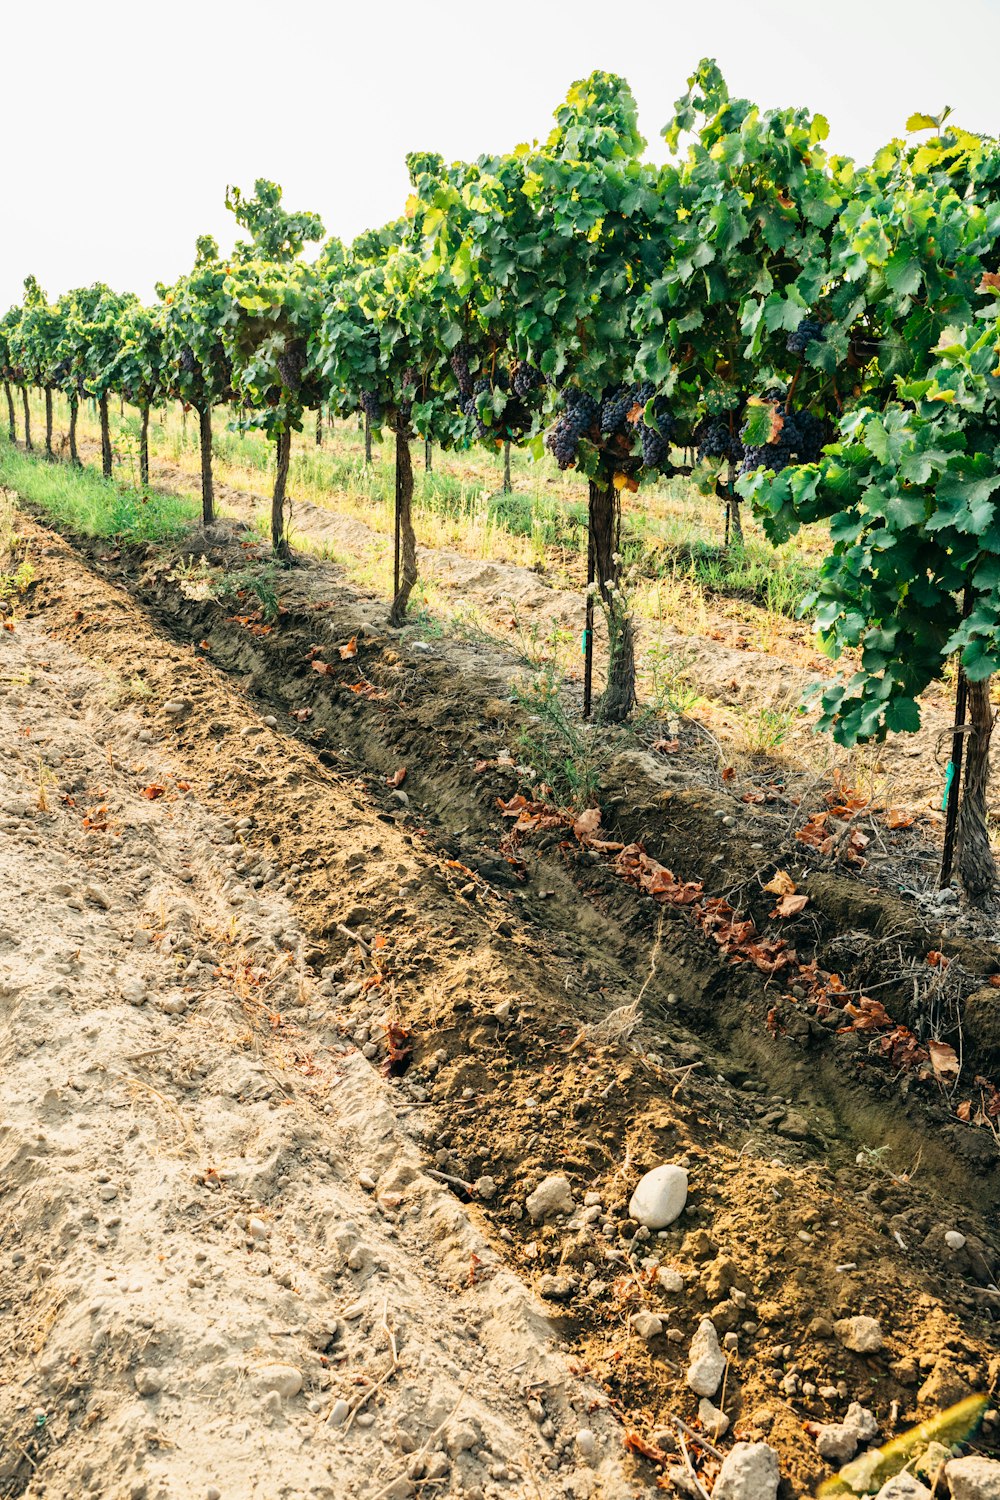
(367, 1395)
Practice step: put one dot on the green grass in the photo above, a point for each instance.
(85, 502)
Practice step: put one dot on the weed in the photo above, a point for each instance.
(259, 582)
(561, 753)
(765, 729)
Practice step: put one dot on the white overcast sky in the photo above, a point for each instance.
(125, 121)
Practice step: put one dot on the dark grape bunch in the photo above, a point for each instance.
(615, 407)
(800, 440)
(187, 361)
(580, 413)
(459, 362)
(808, 332)
(716, 439)
(526, 378)
(656, 439)
(372, 407)
(291, 363)
(471, 407)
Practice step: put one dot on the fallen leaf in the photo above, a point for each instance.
(153, 791)
(790, 906)
(323, 668)
(587, 823)
(944, 1061)
(637, 1444)
(781, 884)
(667, 747)
(302, 714)
(397, 778)
(895, 818)
(729, 774)
(350, 650)
(964, 1110)
(937, 960)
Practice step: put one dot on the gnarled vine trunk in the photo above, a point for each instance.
(618, 699)
(279, 540)
(734, 520)
(29, 446)
(207, 486)
(405, 572)
(106, 455)
(506, 467)
(11, 422)
(74, 411)
(428, 454)
(368, 441)
(976, 866)
(48, 423)
(144, 445)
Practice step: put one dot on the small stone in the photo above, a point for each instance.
(98, 895)
(749, 1472)
(148, 1382)
(903, 1487)
(660, 1196)
(367, 1181)
(860, 1334)
(713, 1419)
(176, 706)
(485, 1187)
(586, 1443)
(954, 1240)
(213, 1493)
(974, 1478)
(669, 1279)
(257, 1229)
(553, 1195)
(284, 1380)
(861, 1422)
(338, 1413)
(707, 1363)
(647, 1325)
(836, 1442)
(943, 1387)
(556, 1288)
(794, 1127)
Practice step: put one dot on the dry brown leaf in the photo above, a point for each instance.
(781, 884)
(153, 791)
(587, 823)
(896, 818)
(323, 668)
(944, 1061)
(397, 778)
(349, 650)
(790, 906)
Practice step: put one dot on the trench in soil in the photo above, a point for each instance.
(718, 1064)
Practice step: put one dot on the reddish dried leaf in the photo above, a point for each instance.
(990, 282)
(780, 884)
(729, 774)
(937, 960)
(153, 791)
(667, 747)
(349, 650)
(397, 778)
(896, 818)
(301, 714)
(636, 1443)
(964, 1110)
(587, 823)
(323, 668)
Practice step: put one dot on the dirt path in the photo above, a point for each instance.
(340, 925)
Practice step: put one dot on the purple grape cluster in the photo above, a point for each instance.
(526, 378)
(800, 440)
(808, 332)
(291, 363)
(716, 439)
(580, 413)
(459, 362)
(372, 407)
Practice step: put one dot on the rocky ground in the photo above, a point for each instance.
(324, 1105)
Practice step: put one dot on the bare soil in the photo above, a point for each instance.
(529, 1012)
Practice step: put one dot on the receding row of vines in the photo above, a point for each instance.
(820, 339)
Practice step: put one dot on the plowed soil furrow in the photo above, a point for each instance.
(494, 994)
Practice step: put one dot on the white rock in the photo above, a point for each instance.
(338, 1413)
(176, 706)
(954, 1240)
(586, 1443)
(284, 1380)
(713, 1419)
(861, 1422)
(257, 1228)
(836, 1442)
(749, 1472)
(973, 1478)
(669, 1279)
(660, 1196)
(860, 1334)
(707, 1363)
(485, 1187)
(903, 1487)
(553, 1195)
(646, 1324)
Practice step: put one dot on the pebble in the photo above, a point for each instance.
(367, 1181)
(861, 1422)
(485, 1188)
(282, 1380)
(836, 1442)
(954, 1240)
(707, 1363)
(903, 1487)
(98, 895)
(669, 1279)
(660, 1196)
(860, 1334)
(148, 1381)
(338, 1413)
(257, 1229)
(646, 1324)
(176, 706)
(586, 1443)
(749, 1472)
(553, 1195)
(974, 1478)
(713, 1419)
